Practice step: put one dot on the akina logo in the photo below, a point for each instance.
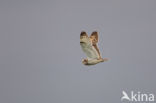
(137, 97)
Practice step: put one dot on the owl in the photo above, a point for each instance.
(90, 48)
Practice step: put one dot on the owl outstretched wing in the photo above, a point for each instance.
(94, 39)
(87, 46)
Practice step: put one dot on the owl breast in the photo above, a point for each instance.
(89, 51)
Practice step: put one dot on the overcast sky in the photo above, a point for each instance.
(40, 54)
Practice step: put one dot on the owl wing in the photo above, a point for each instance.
(89, 49)
(94, 38)
(90, 52)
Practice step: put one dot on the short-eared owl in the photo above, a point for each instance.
(90, 48)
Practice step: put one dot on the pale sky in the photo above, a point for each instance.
(40, 54)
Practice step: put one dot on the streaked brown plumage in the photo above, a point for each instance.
(89, 46)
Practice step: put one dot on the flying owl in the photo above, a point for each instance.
(90, 48)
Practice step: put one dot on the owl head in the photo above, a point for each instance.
(84, 39)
